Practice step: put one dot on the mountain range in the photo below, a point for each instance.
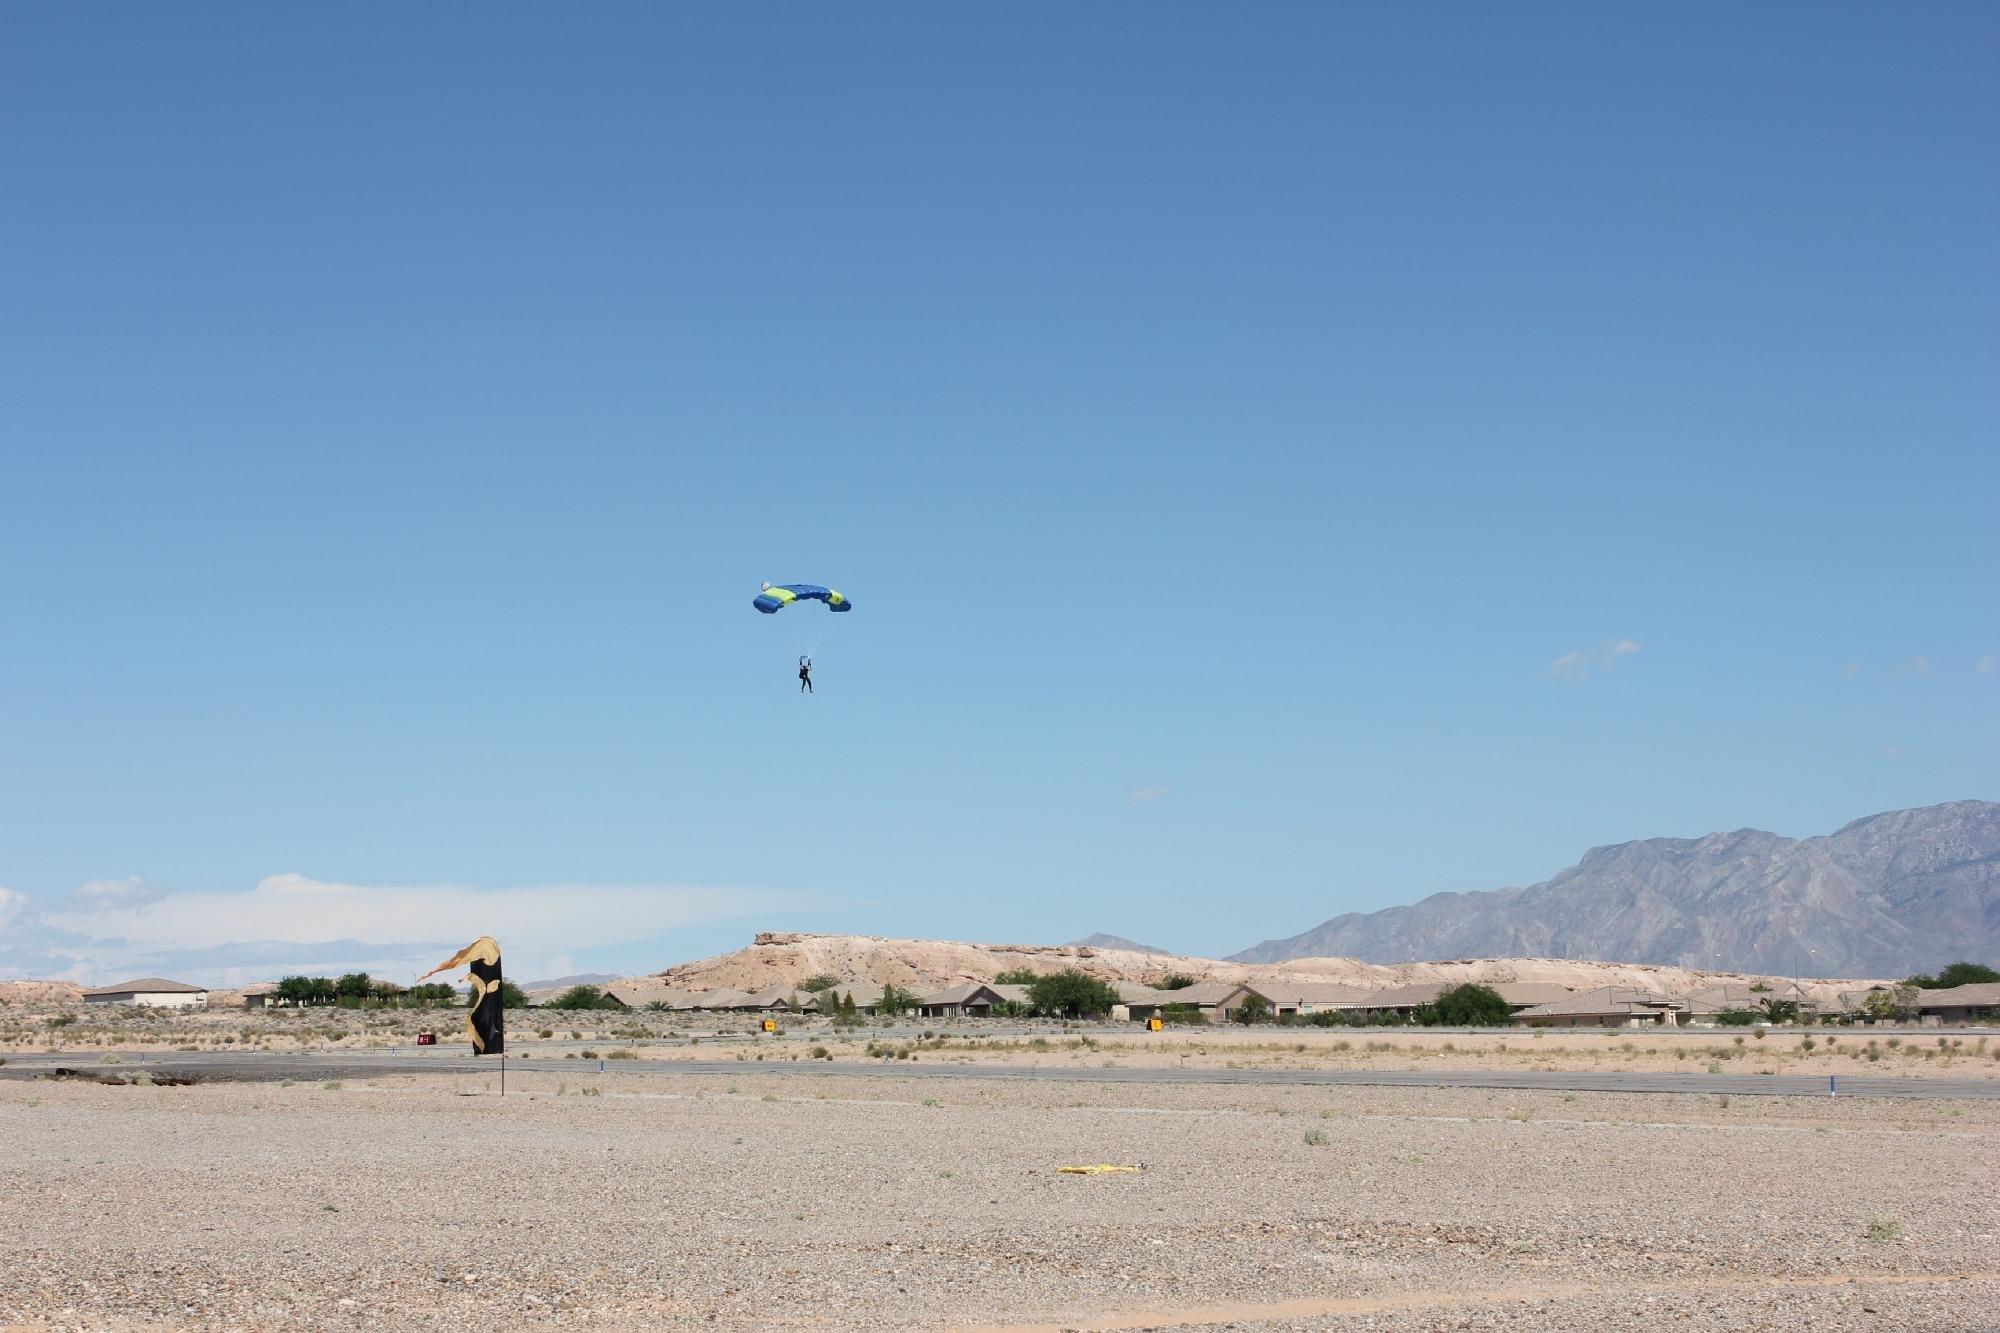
(1889, 895)
(1100, 940)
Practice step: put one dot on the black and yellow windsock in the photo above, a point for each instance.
(487, 1021)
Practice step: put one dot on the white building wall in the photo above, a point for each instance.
(154, 999)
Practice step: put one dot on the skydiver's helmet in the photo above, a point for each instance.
(764, 587)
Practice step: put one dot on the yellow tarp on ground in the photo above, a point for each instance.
(1102, 1168)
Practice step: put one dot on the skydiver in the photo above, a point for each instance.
(805, 675)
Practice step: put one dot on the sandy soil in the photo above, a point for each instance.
(798, 1202)
(1837, 1051)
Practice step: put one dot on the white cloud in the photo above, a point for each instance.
(1988, 665)
(1851, 670)
(1895, 752)
(1570, 666)
(1579, 665)
(1609, 656)
(1921, 665)
(1145, 795)
(95, 894)
(291, 921)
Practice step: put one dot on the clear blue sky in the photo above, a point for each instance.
(1248, 434)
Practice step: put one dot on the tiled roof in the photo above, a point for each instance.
(150, 986)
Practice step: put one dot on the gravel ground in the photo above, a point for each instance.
(672, 1201)
(1954, 1053)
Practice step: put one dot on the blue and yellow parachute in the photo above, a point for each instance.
(776, 597)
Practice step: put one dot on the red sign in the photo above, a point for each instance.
(427, 1039)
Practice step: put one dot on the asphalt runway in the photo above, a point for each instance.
(273, 1066)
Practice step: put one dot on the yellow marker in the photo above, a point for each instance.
(1155, 1023)
(770, 1025)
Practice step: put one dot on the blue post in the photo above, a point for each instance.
(600, 1064)
(1829, 1087)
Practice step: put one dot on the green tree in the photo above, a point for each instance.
(428, 993)
(1255, 1009)
(511, 996)
(1965, 974)
(322, 990)
(813, 985)
(1470, 1005)
(352, 986)
(297, 990)
(1780, 1011)
(1173, 981)
(1017, 976)
(1072, 993)
(583, 997)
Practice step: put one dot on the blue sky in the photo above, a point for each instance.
(1285, 460)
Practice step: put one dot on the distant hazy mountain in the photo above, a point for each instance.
(1103, 941)
(564, 983)
(1886, 896)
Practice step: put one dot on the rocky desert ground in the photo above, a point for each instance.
(93, 1033)
(790, 1201)
(793, 1200)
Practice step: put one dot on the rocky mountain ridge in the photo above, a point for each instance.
(1888, 895)
(782, 960)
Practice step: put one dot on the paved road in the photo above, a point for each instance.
(270, 1066)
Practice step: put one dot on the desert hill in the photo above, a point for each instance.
(1889, 895)
(778, 961)
(40, 994)
(1100, 940)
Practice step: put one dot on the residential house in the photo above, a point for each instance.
(973, 999)
(1605, 1007)
(150, 993)
(1959, 1004)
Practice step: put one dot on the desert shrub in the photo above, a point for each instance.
(546, 1033)
(583, 997)
(1737, 1018)
(1882, 1230)
(1017, 976)
(1173, 981)
(1182, 1015)
(1317, 1138)
(622, 1053)
(822, 981)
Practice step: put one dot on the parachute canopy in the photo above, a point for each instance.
(776, 597)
